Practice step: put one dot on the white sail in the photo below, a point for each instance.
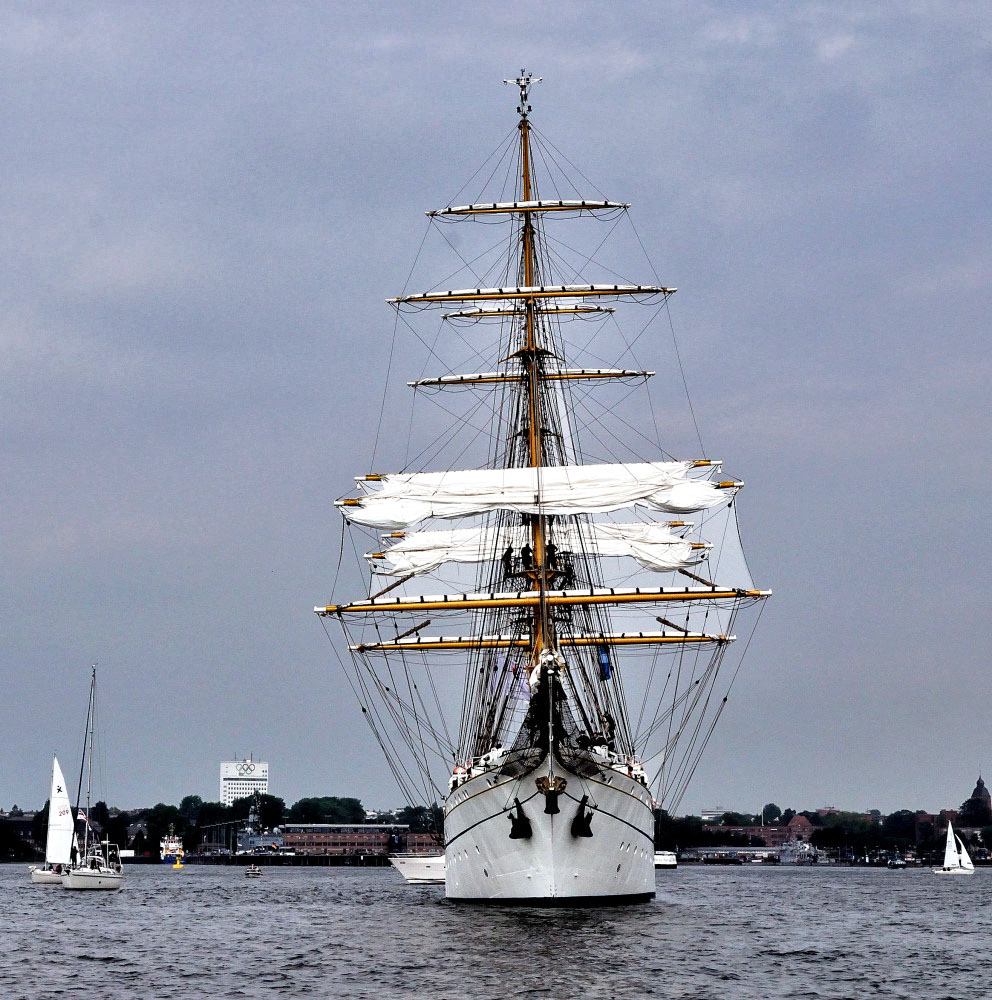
(964, 859)
(950, 849)
(61, 829)
(407, 498)
(654, 546)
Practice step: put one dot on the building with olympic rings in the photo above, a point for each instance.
(241, 778)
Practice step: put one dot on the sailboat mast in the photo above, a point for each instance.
(82, 762)
(89, 762)
(531, 360)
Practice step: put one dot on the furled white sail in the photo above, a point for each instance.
(406, 498)
(500, 207)
(654, 546)
(61, 829)
(552, 374)
(530, 292)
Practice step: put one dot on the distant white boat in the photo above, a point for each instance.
(665, 859)
(61, 832)
(956, 859)
(420, 869)
(253, 871)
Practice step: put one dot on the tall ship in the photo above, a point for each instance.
(540, 541)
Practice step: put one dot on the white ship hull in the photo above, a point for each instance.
(552, 866)
(89, 878)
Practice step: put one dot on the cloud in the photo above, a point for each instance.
(832, 49)
(205, 206)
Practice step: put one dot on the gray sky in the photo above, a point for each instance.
(204, 207)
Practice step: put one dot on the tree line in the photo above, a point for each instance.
(858, 833)
(191, 818)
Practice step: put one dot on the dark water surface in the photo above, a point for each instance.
(751, 932)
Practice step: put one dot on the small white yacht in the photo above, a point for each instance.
(101, 868)
(420, 869)
(665, 859)
(956, 858)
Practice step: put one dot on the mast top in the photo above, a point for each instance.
(523, 82)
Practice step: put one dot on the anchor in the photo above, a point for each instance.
(582, 823)
(520, 828)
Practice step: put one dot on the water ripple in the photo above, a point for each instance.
(364, 934)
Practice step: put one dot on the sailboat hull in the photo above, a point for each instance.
(46, 876)
(553, 866)
(85, 878)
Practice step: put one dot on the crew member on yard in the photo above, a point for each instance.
(507, 560)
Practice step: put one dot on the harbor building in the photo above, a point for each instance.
(241, 778)
(367, 838)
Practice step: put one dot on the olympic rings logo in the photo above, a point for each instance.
(245, 768)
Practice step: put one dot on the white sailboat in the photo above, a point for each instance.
(98, 866)
(956, 858)
(61, 832)
(542, 756)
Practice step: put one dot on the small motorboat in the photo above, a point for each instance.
(665, 859)
(253, 871)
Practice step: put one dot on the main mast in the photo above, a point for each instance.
(530, 358)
